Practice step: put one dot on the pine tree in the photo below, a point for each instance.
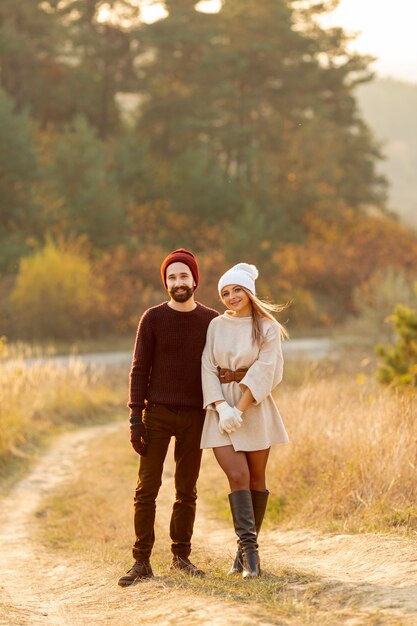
(83, 189)
(266, 96)
(102, 53)
(58, 60)
(20, 219)
(398, 362)
(29, 36)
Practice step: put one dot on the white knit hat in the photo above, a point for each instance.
(242, 274)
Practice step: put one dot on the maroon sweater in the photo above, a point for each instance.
(166, 366)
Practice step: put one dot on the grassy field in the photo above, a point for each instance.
(352, 459)
(20, 349)
(90, 520)
(40, 400)
(350, 465)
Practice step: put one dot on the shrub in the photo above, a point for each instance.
(337, 258)
(56, 295)
(398, 362)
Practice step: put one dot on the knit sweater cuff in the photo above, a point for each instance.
(135, 419)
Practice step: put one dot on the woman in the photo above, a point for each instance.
(242, 363)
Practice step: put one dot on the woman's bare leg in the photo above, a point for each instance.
(257, 461)
(244, 470)
(235, 466)
(238, 467)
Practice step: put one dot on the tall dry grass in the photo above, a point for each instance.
(40, 399)
(351, 463)
(352, 460)
(88, 522)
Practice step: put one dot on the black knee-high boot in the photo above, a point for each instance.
(259, 502)
(244, 523)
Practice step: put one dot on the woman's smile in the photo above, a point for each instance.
(236, 299)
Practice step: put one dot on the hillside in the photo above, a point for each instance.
(389, 108)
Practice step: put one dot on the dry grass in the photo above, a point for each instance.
(351, 464)
(24, 350)
(40, 399)
(91, 520)
(93, 514)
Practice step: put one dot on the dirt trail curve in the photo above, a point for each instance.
(371, 572)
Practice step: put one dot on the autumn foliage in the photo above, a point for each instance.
(236, 134)
(57, 295)
(337, 258)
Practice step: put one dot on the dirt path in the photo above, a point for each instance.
(375, 575)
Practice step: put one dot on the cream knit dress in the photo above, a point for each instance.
(229, 344)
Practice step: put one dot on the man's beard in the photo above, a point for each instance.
(181, 297)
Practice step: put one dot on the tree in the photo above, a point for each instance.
(103, 50)
(67, 49)
(29, 36)
(86, 196)
(338, 257)
(266, 95)
(20, 217)
(398, 362)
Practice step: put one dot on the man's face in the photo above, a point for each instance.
(180, 282)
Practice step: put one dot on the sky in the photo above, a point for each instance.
(386, 29)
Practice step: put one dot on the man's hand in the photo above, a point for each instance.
(229, 418)
(139, 438)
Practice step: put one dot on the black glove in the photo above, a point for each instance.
(139, 438)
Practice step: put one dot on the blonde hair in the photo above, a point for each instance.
(260, 309)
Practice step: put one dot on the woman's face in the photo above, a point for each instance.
(237, 300)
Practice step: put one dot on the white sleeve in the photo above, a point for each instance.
(212, 388)
(266, 372)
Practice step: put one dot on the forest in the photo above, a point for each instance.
(237, 134)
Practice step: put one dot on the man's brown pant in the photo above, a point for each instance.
(162, 423)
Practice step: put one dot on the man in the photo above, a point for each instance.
(166, 401)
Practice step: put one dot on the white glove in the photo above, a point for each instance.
(230, 418)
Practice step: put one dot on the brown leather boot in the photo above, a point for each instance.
(259, 502)
(184, 564)
(244, 523)
(139, 571)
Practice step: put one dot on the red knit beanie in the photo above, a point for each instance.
(180, 256)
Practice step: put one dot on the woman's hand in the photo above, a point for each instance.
(229, 417)
(245, 400)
